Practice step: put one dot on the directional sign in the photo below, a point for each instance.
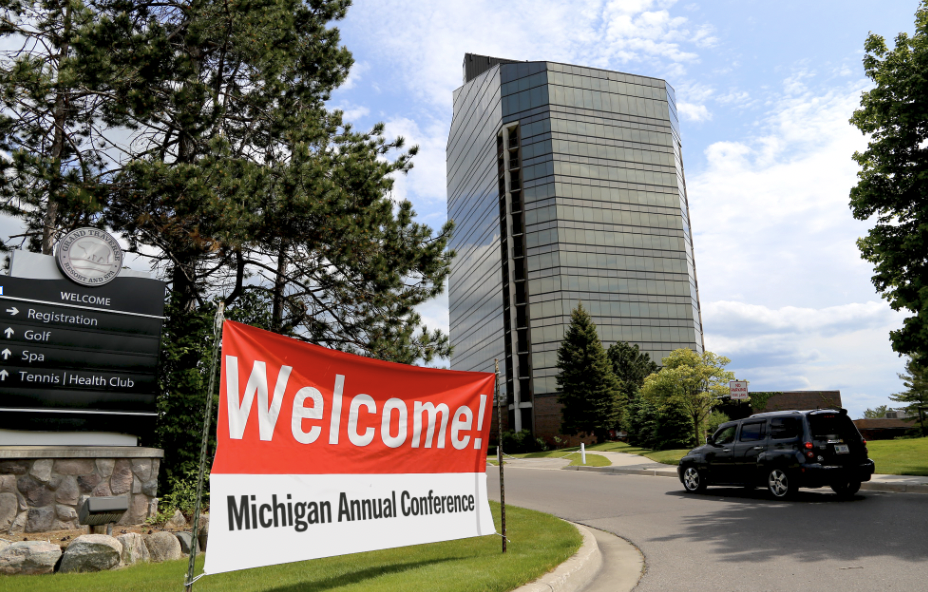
(68, 317)
(39, 356)
(76, 357)
(84, 339)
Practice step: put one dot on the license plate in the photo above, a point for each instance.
(841, 449)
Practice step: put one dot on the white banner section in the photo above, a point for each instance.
(258, 520)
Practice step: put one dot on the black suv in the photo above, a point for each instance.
(783, 450)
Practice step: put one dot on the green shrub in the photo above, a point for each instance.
(715, 419)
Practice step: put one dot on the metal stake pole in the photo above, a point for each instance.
(204, 443)
(499, 455)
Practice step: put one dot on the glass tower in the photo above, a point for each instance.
(566, 186)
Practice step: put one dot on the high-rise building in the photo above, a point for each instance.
(566, 185)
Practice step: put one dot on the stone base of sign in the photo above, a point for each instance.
(42, 488)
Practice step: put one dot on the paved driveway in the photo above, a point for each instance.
(732, 540)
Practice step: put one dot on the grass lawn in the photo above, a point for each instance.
(667, 457)
(900, 457)
(592, 460)
(537, 543)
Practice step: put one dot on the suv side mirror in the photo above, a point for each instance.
(709, 440)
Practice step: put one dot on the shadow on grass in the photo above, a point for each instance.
(357, 577)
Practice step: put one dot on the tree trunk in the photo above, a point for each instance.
(696, 427)
(50, 222)
(280, 282)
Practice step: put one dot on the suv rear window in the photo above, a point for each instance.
(782, 428)
(833, 426)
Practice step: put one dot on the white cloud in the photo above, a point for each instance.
(424, 42)
(425, 183)
(784, 291)
(692, 112)
(355, 75)
(842, 348)
(352, 113)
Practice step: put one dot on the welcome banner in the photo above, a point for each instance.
(324, 453)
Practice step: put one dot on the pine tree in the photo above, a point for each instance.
(49, 139)
(589, 391)
(236, 180)
(915, 379)
(630, 366)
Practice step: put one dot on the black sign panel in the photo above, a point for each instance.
(132, 295)
(40, 357)
(77, 357)
(66, 317)
(76, 338)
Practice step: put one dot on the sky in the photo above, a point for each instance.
(765, 91)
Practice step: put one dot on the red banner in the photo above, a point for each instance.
(362, 428)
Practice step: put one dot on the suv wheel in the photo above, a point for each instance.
(693, 480)
(780, 484)
(846, 489)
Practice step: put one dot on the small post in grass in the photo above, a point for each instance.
(582, 453)
(207, 415)
(499, 455)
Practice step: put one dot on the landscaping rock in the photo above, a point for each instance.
(121, 481)
(102, 490)
(40, 519)
(29, 558)
(35, 492)
(8, 483)
(42, 469)
(91, 552)
(163, 546)
(177, 521)
(142, 468)
(138, 510)
(150, 488)
(185, 539)
(86, 483)
(14, 467)
(74, 466)
(9, 507)
(68, 491)
(105, 466)
(4, 544)
(65, 513)
(19, 524)
(134, 549)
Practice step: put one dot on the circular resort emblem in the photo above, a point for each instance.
(89, 257)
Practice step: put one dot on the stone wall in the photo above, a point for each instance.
(42, 489)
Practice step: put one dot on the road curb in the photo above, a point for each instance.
(868, 486)
(574, 574)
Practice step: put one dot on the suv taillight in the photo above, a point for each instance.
(808, 447)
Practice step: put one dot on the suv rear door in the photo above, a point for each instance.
(835, 438)
(751, 442)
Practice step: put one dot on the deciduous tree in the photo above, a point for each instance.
(892, 187)
(694, 382)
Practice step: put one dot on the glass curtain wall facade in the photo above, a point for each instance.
(566, 185)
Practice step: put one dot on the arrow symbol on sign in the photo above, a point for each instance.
(3, 374)
(13, 311)
(9, 332)
(6, 353)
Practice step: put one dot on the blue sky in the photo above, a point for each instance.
(765, 91)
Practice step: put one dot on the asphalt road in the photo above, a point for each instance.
(729, 539)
